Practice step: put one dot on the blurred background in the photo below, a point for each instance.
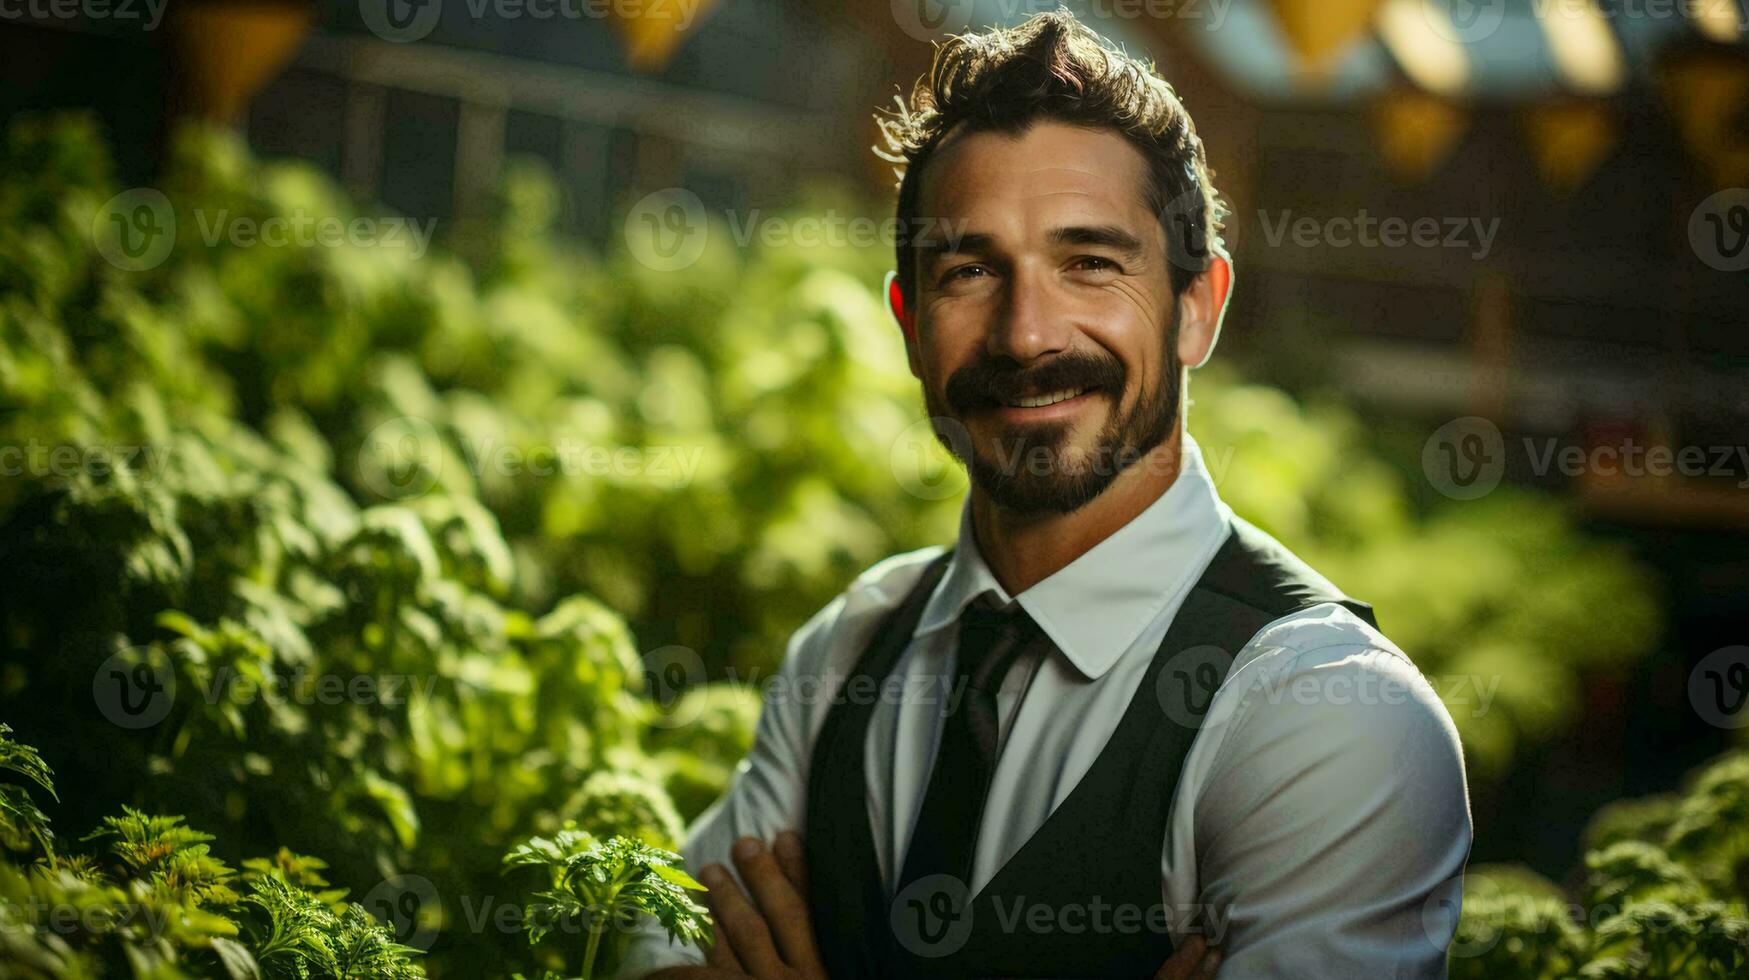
(1486, 364)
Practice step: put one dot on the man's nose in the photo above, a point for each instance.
(1032, 322)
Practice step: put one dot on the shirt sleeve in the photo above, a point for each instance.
(766, 796)
(1332, 831)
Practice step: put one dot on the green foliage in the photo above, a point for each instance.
(1514, 934)
(606, 886)
(158, 904)
(368, 523)
(1676, 906)
(297, 935)
(22, 825)
(611, 803)
(1494, 599)
(700, 740)
(172, 859)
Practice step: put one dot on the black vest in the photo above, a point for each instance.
(1082, 897)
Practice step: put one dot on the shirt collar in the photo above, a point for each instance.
(1094, 607)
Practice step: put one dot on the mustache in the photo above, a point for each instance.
(1001, 379)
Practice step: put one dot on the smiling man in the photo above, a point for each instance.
(1169, 746)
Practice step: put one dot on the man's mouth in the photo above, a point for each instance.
(1048, 398)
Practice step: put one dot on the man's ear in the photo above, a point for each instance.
(906, 315)
(1203, 306)
(901, 313)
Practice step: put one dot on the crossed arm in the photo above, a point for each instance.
(766, 931)
(1331, 831)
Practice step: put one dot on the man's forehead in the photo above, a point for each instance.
(1048, 164)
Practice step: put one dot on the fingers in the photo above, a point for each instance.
(793, 860)
(722, 952)
(786, 914)
(740, 923)
(1192, 960)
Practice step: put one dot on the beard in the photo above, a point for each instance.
(1036, 469)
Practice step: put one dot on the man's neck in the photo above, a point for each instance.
(1024, 549)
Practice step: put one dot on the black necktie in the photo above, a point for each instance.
(990, 641)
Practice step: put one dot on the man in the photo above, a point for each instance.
(1114, 731)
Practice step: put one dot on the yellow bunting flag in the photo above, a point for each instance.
(654, 31)
(1417, 132)
(1570, 139)
(1318, 30)
(225, 52)
(1708, 94)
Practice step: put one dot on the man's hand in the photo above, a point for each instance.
(1192, 961)
(770, 936)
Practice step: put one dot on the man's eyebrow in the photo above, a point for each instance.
(1111, 236)
(932, 247)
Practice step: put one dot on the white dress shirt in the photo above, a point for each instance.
(1321, 822)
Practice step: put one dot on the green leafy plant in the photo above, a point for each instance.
(307, 466)
(155, 902)
(1663, 896)
(22, 825)
(607, 886)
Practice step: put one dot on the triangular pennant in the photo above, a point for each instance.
(1417, 132)
(228, 51)
(1317, 30)
(653, 32)
(1708, 94)
(1570, 139)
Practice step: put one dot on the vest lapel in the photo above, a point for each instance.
(1100, 845)
(845, 887)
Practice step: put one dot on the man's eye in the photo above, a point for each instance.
(1096, 263)
(965, 272)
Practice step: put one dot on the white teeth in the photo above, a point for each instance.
(1049, 398)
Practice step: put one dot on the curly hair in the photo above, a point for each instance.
(1053, 67)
